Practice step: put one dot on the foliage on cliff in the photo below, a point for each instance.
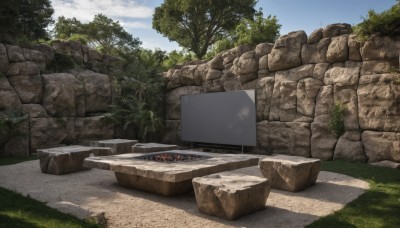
(386, 23)
(24, 20)
(102, 33)
(196, 25)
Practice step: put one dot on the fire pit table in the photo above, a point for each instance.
(167, 173)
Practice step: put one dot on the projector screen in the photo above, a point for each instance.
(222, 118)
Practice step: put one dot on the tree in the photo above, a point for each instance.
(196, 25)
(258, 30)
(103, 34)
(386, 23)
(25, 19)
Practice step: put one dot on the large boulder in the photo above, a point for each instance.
(290, 173)
(291, 138)
(290, 76)
(315, 36)
(342, 76)
(347, 96)
(323, 140)
(227, 194)
(288, 101)
(174, 78)
(381, 146)
(9, 99)
(286, 53)
(307, 91)
(29, 88)
(188, 75)
(264, 90)
(34, 111)
(18, 144)
(64, 95)
(338, 50)
(378, 48)
(3, 59)
(263, 135)
(173, 101)
(22, 68)
(72, 47)
(263, 49)
(315, 53)
(48, 132)
(213, 74)
(94, 55)
(336, 30)
(349, 147)
(320, 70)
(324, 101)
(35, 56)
(47, 51)
(379, 66)
(378, 102)
(247, 66)
(15, 54)
(354, 48)
(97, 91)
(217, 63)
(92, 128)
(200, 74)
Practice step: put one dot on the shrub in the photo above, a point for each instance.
(386, 23)
(336, 123)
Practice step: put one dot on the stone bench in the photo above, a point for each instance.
(230, 195)
(290, 173)
(117, 146)
(67, 159)
(152, 147)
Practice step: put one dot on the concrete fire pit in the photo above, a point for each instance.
(171, 175)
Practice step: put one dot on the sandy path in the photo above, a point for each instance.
(95, 191)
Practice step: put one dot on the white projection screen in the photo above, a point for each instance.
(221, 118)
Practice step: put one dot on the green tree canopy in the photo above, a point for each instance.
(386, 23)
(25, 19)
(196, 25)
(258, 30)
(103, 34)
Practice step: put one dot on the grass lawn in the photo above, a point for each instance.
(19, 211)
(378, 207)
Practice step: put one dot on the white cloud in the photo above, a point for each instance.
(84, 10)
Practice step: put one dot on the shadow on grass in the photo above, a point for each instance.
(19, 211)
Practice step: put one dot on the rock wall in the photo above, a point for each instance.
(297, 81)
(55, 108)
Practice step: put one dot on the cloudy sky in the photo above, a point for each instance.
(136, 15)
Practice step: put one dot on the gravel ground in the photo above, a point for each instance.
(95, 192)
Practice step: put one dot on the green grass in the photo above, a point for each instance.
(377, 207)
(19, 211)
(8, 160)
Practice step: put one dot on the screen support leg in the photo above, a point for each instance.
(242, 149)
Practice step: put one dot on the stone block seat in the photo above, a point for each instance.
(117, 146)
(67, 159)
(152, 173)
(152, 147)
(230, 195)
(290, 173)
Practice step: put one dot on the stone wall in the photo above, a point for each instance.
(297, 81)
(56, 108)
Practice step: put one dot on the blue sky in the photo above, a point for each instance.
(136, 15)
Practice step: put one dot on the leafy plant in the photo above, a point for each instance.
(257, 30)
(386, 23)
(139, 100)
(10, 127)
(336, 122)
